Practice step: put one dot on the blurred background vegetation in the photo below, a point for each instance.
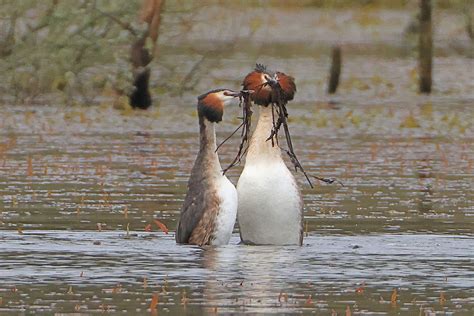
(78, 52)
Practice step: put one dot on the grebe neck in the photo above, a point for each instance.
(260, 149)
(207, 145)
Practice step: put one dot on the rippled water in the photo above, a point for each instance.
(402, 220)
(76, 169)
(92, 271)
(74, 180)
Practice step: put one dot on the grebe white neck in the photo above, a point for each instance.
(261, 149)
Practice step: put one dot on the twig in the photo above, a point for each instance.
(45, 21)
(124, 25)
(246, 124)
(282, 120)
(190, 74)
(230, 136)
(328, 180)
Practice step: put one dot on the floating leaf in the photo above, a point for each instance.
(414, 74)
(348, 311)
(373, 151)
(394, 297)
(117, 289)
(427, 109)
(104, 307)
(442, 298)
(162, 226)
(367, 18)
(255, 24)
(355, 120)
(360, 289)
(154, 301)
(82, 118)
(29, 169)
(59, 83)
(184, 298)
(454, 121)
(410, 122)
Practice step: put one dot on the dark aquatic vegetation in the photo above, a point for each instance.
(245, 126)
(278, 99)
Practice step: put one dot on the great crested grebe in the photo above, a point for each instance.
(210, 207)
(270, 206)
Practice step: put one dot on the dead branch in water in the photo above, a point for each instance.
(328, 180)
(141, 56)
(425, 47)
(335, 71)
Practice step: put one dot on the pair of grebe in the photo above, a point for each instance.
(267, 201)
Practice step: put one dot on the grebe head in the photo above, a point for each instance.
(263, 81)
(211, 104)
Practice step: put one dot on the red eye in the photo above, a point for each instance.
(226, 93)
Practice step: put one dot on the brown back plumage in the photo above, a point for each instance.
(201, 204)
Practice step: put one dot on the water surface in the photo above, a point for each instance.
(91, 271)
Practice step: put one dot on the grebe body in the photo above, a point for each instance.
(210, 206)
(270, 206)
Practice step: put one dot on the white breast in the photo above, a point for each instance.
(270, 205)
(225, 220)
